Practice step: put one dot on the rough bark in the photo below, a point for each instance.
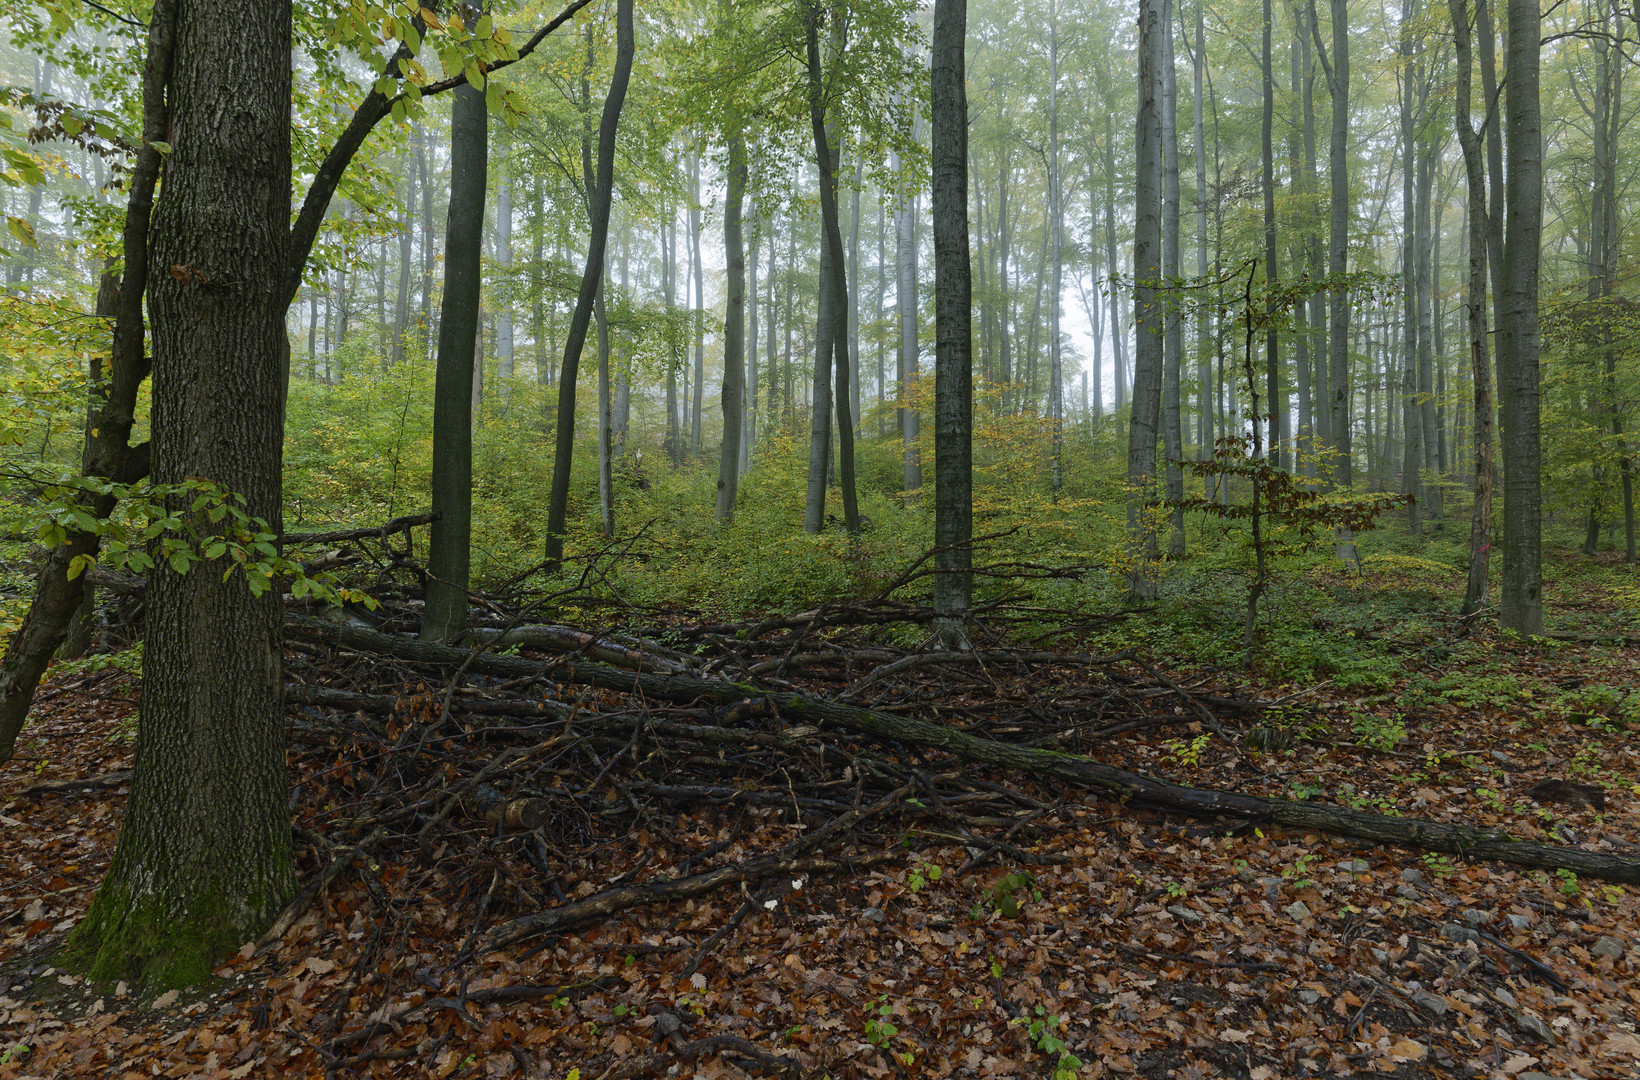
(204, 861)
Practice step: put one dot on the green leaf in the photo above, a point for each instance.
(216, 549)
(475, 74)
(21, 229)
(494, 97)
(398, 111)
(179, 561)
(79, 564)
(485, 27)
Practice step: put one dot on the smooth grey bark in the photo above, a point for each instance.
(1412, 443)
(1005, 358)
(953, 329)
(1521, 608)
(1480, 363)
(1424, 245)
(401, 309)
(424, 174)
(1206, 430)
(599, 199)
(1339, 421)
(669, 279)
(204, 859)
(1112, 268)
(449, 548)
(1304, 430)
(734, 332)
(831, 333)
(854, 292)
(1148, 309)
(1056, 374)
(1279, 449)
(905, 305)
(1320, 434)
(698, 318)
(1173, 326)
(504, 262)
(748, 422)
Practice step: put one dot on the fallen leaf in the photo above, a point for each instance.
(1407, 1050)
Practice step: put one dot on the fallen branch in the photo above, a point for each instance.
(1426, 835)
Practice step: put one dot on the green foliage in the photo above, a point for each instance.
(1046, 1034)
(1009, 892)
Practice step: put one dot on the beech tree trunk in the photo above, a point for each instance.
(449, 551)
(953, 328)
(1148, 314)
(204, 856)
(734, 332)
(905, 305)
(598, 202)
(1521, 609)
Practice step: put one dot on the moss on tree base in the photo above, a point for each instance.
(122, 938)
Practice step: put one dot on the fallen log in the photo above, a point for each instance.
(1490, 844)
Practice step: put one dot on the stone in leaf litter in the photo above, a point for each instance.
(1297, 911)
(1607, 946)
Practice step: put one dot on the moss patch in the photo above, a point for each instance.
(153, 949)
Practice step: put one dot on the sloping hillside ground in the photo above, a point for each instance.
(844, 907)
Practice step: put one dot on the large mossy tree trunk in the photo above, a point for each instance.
(449, 554)
(953, 327)
(204, 857)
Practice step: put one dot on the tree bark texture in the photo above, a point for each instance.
(1148, 312)
(734, 332)
(449, 551)
(204, 857)
(953, 327)
(1521, 608)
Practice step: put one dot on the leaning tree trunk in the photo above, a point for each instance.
(108, 455)
(1521, 609)
(598, 203)
(953, 329)
(204, 857)
(449, 553)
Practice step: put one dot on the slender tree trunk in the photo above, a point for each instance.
(401, 307)
(734, 332)
(905, 306)
(1148, 310)
(1112, 268)
(698, 319)
(1522, 592)
(953, 330)
(449, 551)
(1204, 378)
(854, 293)
(669, 278)
(1056, 374)
(204, 856)
(1480, 522)
(1173, 327)
(748, 421)
(1279, 451)
(504, 262)
(599, 199)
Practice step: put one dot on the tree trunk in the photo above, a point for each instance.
(734, 332)
(1522, 591)
(748, 419)
(905, 305)
(449, 551)
(1056, 374)
(1279, 449)
(953, 329)
(204, 856)
(1204, 378)
(401, 308)
(598, 203)
(1173, 326)
(1480, 522)
(1148, 313)
(698, 316)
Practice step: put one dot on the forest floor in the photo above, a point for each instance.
(946, 920)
